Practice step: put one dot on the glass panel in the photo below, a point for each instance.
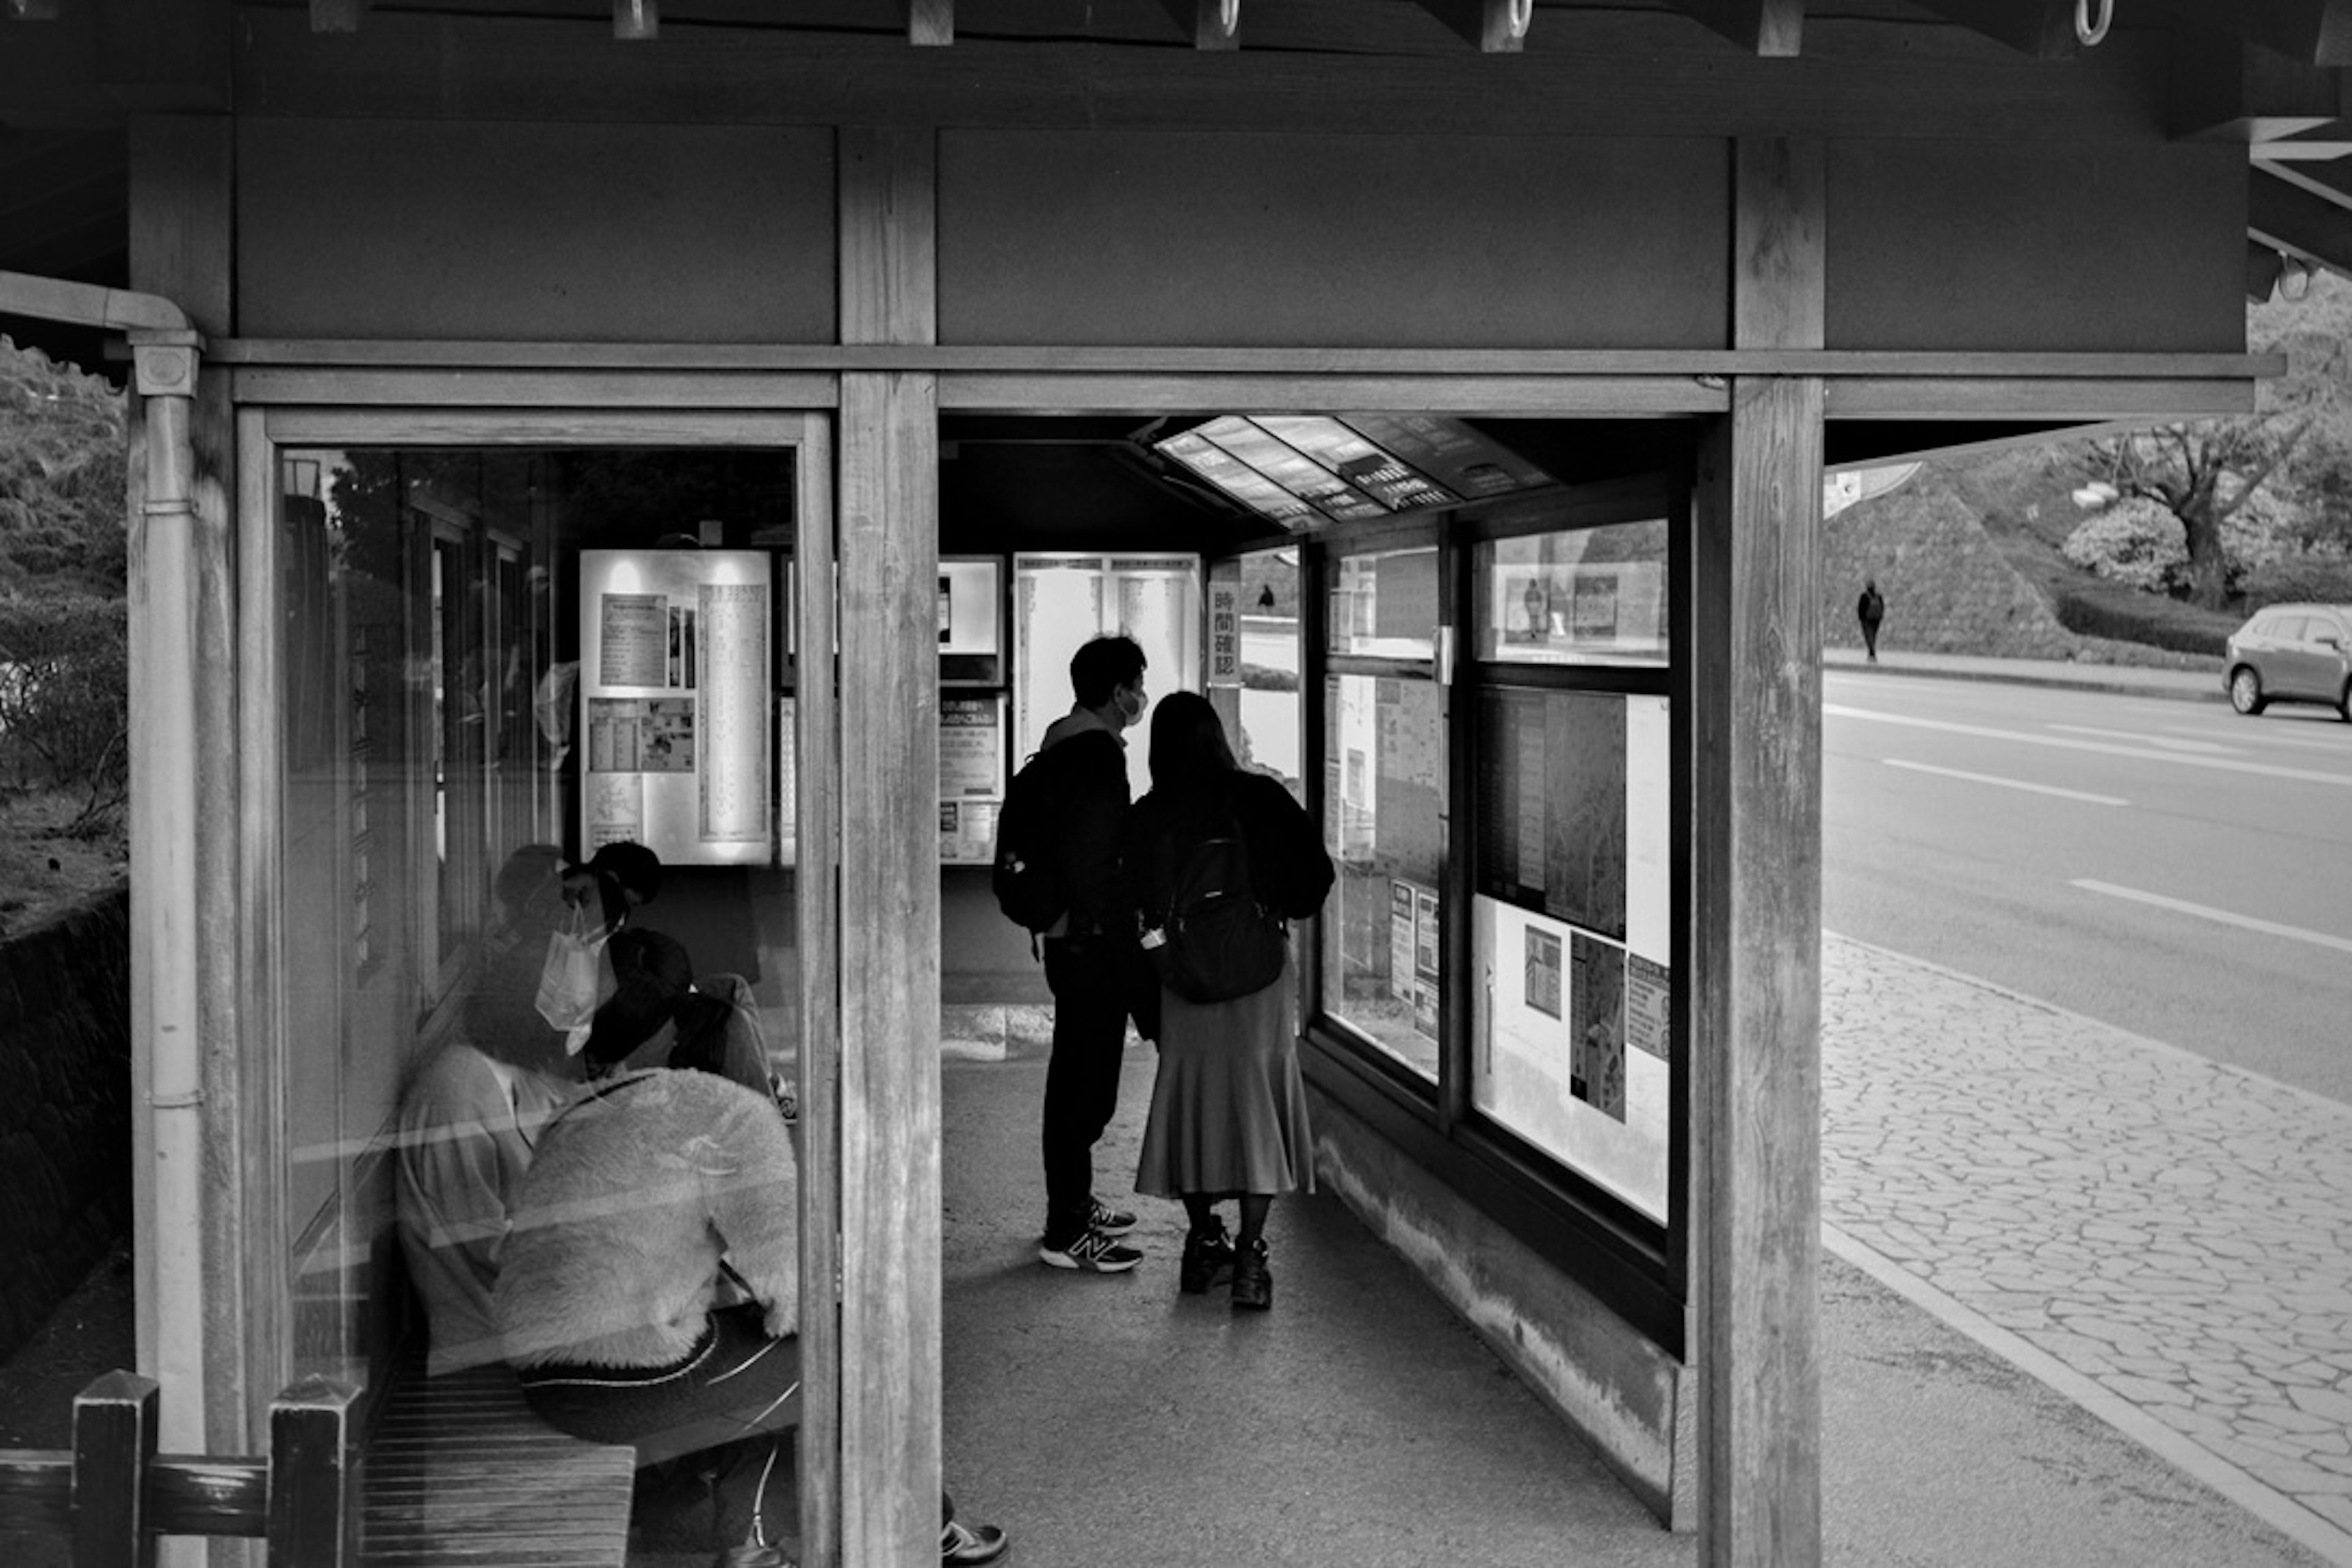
(430, 695)
(1272, 701)
(1593, 596)
(1061, 601)
(1572, 932)
(1384, 604)
(1385, 805)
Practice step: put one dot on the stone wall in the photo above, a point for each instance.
(1946, 587)
(65, 1117)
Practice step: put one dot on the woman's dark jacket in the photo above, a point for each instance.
(1290, 870)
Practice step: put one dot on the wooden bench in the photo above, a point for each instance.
(459, 1470)
(113, 1494)
(456, 1472)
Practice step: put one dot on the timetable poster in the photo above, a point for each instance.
(971, 747)
(1596, 1024)
(734, 619)
(1649, 1006)
(634, 650)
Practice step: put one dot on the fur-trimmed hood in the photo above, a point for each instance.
(635, 1195)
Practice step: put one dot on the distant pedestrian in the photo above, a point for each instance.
(1870, 609)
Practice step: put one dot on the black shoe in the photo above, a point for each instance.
(1208, 1260)
(1253, 1284)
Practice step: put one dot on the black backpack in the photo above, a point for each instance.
(1030, 887)
(1213, 940)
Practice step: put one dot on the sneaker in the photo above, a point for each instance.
(1253, 1285)
(962, 1544)
(1092, 1249)
(1108, 1220)
(1208, 1260)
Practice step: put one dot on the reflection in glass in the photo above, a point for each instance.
(1384, 604)
(1593, 595)
(1383, 960)
(1267, 738)
(1062, 601)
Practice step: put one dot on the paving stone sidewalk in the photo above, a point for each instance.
(2166, 1239)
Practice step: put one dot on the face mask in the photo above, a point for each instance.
(1130, 704)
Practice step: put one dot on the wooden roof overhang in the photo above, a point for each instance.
(2264, 74)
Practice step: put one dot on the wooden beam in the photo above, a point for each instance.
(1495, 26)
(816, 742)
(314, 1501)
(2044, 29)
(337, 16)
(1770, 29)
(1212, 23)
(1755, 1049)
(1781, 243)
(2313, 32)
(930, 24)
(889, 901)
(633, 21)
(2292, 209)
(2224, 89)
(890, 1304)
(114, 1423)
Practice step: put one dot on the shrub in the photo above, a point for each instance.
(2136, 542)
(65, 698)
(2158, 622)
(2316, 577)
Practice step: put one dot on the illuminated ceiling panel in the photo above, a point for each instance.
(1300, 471)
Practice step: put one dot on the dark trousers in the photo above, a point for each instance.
(1095, 982)
(725, 1418)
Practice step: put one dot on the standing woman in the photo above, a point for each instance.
(1228, 1108)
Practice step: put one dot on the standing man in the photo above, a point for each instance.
(1870, 609)
(1092, 962)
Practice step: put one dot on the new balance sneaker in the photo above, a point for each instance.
(1092, 1249)
(1208, 1260)
(1108, 1220)
(962, 1545)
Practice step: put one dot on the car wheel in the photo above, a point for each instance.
(2245, 690)
(2343, 702)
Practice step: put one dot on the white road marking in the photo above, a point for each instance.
(2145, 753)
(2221, 917)
(2006, 784)
(2270, 738)
(2150, 740)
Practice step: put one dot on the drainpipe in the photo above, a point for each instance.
(167, 1181)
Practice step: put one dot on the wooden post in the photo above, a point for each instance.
(314, 1498)
(114, 1422)
(890, 930)
(1755, 859)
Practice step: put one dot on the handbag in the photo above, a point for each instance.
(575, 979)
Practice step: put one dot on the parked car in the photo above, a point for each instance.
(2292, 653)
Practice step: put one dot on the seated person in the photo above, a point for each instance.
(620, 877)
(646, 1195)
(659, 1015)
(466, 1129)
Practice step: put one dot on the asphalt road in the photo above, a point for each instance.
(2165, 866)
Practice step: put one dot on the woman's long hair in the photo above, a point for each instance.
(1189, 751)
